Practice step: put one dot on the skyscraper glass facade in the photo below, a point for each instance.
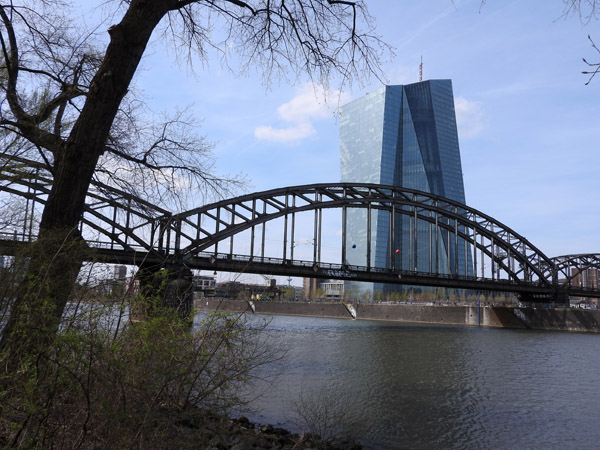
(402, 136)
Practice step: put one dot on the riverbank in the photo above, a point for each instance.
(561, 319)
(194, 429)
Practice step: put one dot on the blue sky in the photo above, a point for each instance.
(528, 125)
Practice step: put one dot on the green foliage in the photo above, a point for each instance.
(105, 381)
(365, 296)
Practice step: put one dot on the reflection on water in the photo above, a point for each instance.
(422, 387)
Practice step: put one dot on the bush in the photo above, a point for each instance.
(105, 382)
(325, 414)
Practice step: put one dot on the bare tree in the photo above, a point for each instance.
(69, 100)
(595, 67)
(586, 10)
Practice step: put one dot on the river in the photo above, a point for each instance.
(406, 386)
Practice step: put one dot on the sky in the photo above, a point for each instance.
(528, 125)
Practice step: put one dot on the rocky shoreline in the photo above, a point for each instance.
(200, 429)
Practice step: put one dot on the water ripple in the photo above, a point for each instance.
(421, 387)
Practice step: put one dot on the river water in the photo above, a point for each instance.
(411, 386)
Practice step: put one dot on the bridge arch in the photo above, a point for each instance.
(580, 270)
(507, 254)
(113, 219)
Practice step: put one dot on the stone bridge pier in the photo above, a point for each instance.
(164, 286)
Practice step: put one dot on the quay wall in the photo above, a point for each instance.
(563, 319)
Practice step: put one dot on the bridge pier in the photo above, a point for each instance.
(559, 297)
(563, 297)
(170, 286)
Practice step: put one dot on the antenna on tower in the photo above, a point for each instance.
(421, 69)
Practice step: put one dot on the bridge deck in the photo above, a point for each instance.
(308, 269)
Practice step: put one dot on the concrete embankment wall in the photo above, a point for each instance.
(486, 316)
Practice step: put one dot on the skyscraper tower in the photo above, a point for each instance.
(404, 136)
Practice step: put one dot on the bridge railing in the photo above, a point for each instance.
(15, 235)
(273, 262)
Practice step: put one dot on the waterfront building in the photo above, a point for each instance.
(404, 136)
(205, 285)
(586, 278)
(323, 289)
(244, 291)
(309, 287)
(332, 288)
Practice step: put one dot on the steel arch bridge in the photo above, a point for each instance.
(578, 270)
(130, 230)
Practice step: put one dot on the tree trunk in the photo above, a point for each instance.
(57, 257)
(35, 315)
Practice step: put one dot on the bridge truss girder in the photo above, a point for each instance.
(203, 228)
(114, 220)
(578, 271)
(131, 229)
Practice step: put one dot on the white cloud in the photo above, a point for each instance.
(304, 106)
(294, 133)
(470, 117)
(309, 104)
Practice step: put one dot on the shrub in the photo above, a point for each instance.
(104, 381)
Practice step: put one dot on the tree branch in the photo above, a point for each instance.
(596, 65)
(11, 57)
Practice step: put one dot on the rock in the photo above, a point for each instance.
(206, 430)
(285, 442)
(345, 444)
(189, 421)
(245, 422)
(267, 429)
(245, 446)
(217, 443)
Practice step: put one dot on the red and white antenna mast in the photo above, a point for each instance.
(421, 69)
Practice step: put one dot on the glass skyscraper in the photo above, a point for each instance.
(403, 136)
